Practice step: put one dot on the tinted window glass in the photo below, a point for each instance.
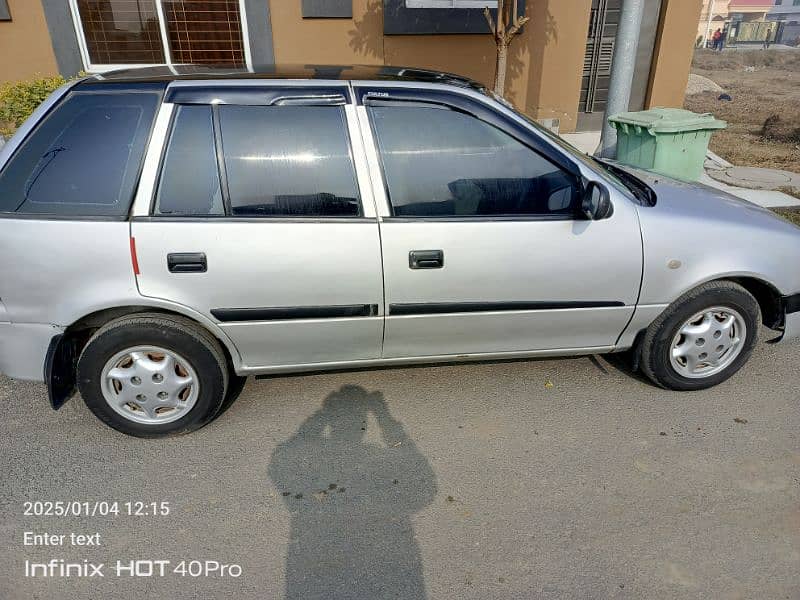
(288, 161)
(189, 182)
(444, 163)
(83, 160)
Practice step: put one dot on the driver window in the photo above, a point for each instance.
(442, 163)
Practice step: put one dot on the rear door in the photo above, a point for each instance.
(256, 220)
(484, 249)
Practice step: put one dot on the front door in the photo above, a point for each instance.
(257, 223)
(482, 249)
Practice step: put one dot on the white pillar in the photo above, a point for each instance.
(708, 25)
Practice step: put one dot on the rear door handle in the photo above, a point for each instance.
(187, 262)
(426, 259)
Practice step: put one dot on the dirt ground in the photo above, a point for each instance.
(763, 84)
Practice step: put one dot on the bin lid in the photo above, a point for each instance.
(669, 120)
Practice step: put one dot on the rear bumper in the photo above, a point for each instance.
(23, 348)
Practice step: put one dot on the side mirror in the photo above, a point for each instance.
(596, 202)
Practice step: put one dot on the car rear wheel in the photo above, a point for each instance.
(153, 375)
(702, 338)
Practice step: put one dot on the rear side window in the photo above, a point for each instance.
(83, 159)
(288, 161)
(189, 184)
(443, 163)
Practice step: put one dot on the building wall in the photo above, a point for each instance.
(25, 49)
(790, 34)
(751, 17)
(327, 41)
(556, 47)
(469, 55)
(545, 62)
(550, 48)
(360, 40)
(752, 10)
(718, 17)
(674, 49)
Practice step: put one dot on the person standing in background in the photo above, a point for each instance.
(715, 39)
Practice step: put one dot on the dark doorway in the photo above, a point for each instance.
(598, 59)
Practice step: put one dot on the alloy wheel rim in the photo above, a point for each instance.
(149, 385)
(708, 342)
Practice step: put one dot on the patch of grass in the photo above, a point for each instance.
(770, 92)
(792, 191)
(790, 214)
(19, 99)
(738, 59)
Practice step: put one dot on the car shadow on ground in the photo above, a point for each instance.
(622, 362)
(351, 492)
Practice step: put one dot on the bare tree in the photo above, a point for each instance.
(507, 26)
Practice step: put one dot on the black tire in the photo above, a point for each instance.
(196, 345)
(655, 348)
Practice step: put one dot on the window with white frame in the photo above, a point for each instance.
(114, 33)
(451, 3)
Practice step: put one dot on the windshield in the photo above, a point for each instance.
(621, 179)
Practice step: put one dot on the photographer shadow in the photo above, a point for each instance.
(351, 494)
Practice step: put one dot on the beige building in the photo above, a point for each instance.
(750, 10)
(558, 69)
(741, 19)
(718, 11)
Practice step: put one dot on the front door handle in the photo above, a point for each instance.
(426, 259)
(187, 262)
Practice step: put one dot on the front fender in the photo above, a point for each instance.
(695, 233)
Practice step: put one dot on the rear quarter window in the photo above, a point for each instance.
(83, 159)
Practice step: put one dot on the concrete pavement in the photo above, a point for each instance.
(758, 185)
(545, 479)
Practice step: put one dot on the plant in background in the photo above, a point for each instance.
(508, 25)
(18, 100)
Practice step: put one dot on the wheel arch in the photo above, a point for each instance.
(769, 298)
(62, 355)
(765, 292)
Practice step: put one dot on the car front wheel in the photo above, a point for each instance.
(702, 338)
(153, 375)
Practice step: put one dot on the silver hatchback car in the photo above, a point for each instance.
(166, 233)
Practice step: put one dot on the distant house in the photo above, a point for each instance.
(747, 11)
(746, 21)
(718, 12)
(787, 14)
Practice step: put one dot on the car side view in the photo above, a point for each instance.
(167, 232)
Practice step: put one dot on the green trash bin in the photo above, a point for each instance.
(670, 141)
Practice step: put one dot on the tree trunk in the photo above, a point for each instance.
(500, 72)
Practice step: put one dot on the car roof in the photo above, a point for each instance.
(284, 72)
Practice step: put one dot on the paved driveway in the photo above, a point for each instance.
(544, 479)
